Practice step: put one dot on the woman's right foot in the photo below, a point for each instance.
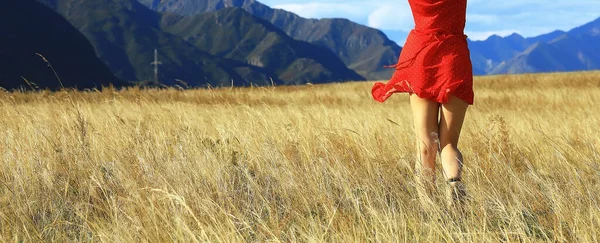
(458, 193)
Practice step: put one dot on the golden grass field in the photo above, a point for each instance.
(321, 163)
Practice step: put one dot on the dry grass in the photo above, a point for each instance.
(308, 164)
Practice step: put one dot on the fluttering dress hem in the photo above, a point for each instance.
(381, 93)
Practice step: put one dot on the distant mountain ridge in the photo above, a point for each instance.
(558, 51)
(363, 49)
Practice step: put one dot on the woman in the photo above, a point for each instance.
(435, 69)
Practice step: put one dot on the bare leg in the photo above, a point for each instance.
(451, 121)
(425, 113)
(452, 117)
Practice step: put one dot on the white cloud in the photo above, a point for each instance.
(392, 17)
(322, 10)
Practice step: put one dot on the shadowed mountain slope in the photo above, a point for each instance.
(238, 35)
(125, 34)
(29, 27)
(363, 49)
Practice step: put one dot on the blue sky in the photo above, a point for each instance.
(484, 17)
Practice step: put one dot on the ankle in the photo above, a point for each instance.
(457, 191)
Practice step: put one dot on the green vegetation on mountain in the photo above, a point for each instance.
(363, 49)
(235, 34)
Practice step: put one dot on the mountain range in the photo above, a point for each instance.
(367, 50)
(125, 32)
(238, 35)
(363, 49)
(558, 51)
(93, 43)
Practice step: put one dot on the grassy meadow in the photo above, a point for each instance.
(323, 163)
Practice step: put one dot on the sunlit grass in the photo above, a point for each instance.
(309, 164)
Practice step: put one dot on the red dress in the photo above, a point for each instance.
(434, 62)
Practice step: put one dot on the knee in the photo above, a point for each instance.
(427, 150)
